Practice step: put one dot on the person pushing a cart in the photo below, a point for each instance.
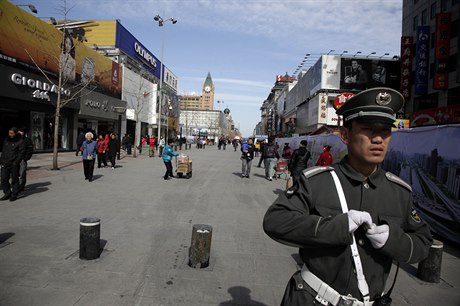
(168, 154)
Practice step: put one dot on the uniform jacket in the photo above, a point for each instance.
(168, 153)
(312, 220)
(89, 149)
(12, 151)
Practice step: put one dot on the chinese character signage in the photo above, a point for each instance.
(406, 65)
(421, 60)
(441, 51)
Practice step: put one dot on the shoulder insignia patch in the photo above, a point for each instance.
(309, 172)
(396, 179)
(414, 215)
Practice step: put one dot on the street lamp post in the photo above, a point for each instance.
(161, 23)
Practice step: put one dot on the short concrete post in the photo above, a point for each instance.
(429, 270)
(90, 234)
(200, 248)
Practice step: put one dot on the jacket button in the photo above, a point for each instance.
(300, 286)
(366, 185)
(361, 242)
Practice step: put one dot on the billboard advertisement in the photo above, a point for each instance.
(135, 49)
(363, 73)
(27, 39)
(422, 53)
(331, 72)
(436, 116)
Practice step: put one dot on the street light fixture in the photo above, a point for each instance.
(52, 19)
(31, 7)
(343, 52)
(384, 55)
(358, 52)
(372, 53)
(161, 23)
(330, 51)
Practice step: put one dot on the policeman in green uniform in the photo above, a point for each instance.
(378, 220)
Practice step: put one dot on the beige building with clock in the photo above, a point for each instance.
(203, 102)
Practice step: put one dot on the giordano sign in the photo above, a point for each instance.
(41, 89)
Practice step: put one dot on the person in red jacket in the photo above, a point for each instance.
(101, 149)
(325, 159)
(152, 144)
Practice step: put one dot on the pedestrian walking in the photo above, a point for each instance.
(270, 156)
(80, 139)
(152, 144)
(247, 155)
(287, 152)
(325, 159)
(161, 146)
(128, 144)
(112, 149)
(168, 154)
(262, 159)
(298, 163)
(351, 220)
(12, 155)
(89, 156)
(101, 151)
(28, 151)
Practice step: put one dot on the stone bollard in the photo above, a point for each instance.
(429, 270)
(90, 234)
(200, 247)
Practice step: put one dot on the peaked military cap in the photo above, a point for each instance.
(375, 105)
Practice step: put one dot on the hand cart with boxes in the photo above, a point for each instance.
(184, 166)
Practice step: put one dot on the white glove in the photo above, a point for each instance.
(356, 218)
(378, 235)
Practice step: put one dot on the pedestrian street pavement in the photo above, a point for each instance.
(146, 227)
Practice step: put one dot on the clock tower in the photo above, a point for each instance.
(207, 94)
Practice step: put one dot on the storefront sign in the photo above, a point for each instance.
(41, 88)
(341, 99)
(406, 65)
(421, 60)
(436, 116)
(98, 105)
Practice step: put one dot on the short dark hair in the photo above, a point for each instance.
(304, 143)
(170, 140)
(14, 129)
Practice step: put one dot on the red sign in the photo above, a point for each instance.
(285, 78)
(442, 51)
(341, 99)
(436, 116)
(406, 65)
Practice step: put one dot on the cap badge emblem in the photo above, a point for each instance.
(383, 98)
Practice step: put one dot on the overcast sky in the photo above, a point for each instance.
(244, 44)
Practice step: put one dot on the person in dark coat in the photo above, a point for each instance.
(351, 220)
(298, 163)
(12, 155)
(247, 155)
(112, 149)
(28, 151)
(80, 139)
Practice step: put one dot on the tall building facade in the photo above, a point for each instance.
(203, 102)
(430, 61)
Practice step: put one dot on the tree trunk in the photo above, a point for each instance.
(56, 124)
(137, 136)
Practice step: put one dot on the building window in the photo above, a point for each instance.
(443, 5)
(433, 11)
(424, 17)
(415, 22)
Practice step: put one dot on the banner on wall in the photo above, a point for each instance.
(406, 65)
(421, 60)
(426, 158)
(27, 39)
(436, 116)
(442, 51)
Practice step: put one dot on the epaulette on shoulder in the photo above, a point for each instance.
(396, 179)
(309, 172)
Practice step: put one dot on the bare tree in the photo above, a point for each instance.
(67, 89)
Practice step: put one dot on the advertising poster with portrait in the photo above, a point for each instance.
(27, 39)
(363, 73)
(37, 127)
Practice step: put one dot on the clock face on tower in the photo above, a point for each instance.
(207, 89)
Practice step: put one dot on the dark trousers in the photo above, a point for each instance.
(22, 174)
(160, 154)
(169, 170)
(13, 173)
(101, 160)
(262, 159)
(88, 168)
(128, 149)
(112, 160)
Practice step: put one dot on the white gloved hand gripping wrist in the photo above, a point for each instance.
(378, 235)
(357, 218)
